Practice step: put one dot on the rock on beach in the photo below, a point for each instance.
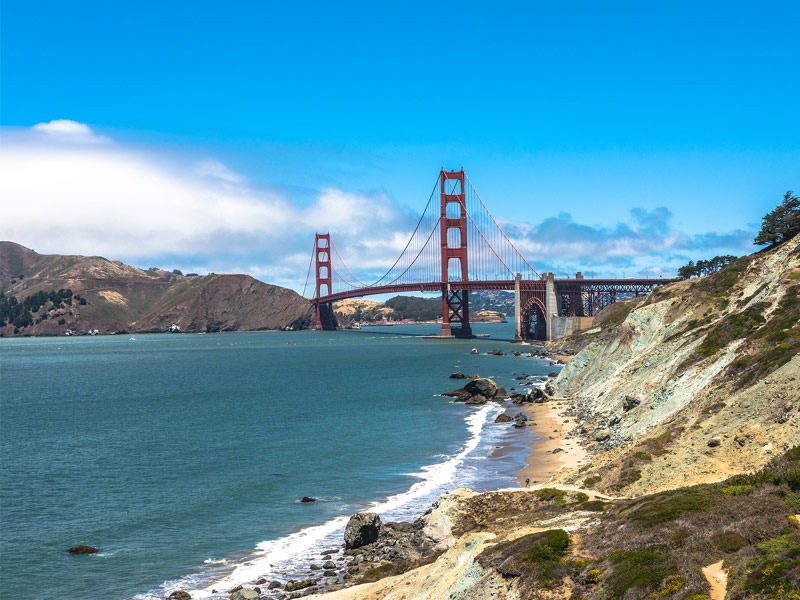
(362, 529)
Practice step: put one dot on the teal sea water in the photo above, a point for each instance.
(184, 457)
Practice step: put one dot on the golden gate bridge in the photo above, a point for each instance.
(457, 247)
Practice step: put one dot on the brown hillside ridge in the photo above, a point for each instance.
(112, 297)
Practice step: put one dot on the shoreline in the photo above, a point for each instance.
(551, 449)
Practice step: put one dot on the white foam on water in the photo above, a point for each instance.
(282, 558)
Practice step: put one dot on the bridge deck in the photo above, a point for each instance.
(563, 285)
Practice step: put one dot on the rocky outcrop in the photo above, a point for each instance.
(361, 529)
(428, 535)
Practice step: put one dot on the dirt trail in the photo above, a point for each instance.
(717, 579)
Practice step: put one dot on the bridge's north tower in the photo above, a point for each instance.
(322, 260)
(453, 233)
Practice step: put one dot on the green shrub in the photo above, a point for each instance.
(729, 541)
(643, 570)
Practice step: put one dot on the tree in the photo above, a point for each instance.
(705, 267)
(176, 272)
(781, 224)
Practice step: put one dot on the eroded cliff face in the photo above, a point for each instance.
(700, 380)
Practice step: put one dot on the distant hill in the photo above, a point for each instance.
(411, 308)
(50, 294)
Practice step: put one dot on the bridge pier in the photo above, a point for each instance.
(517, 311)
(455, 310)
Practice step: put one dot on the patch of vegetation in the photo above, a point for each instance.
(760, 354)
(590, 481)
(642, 456)
(658, 445)
(395, 568)
(20, 313)
(537, 559)
(733, 327)
(550, 495)
(639, 570)
(772, 570)
(614, 315)
(594, 505)
(670, 506)
(729, 541)
(713, 409)
(626, 477)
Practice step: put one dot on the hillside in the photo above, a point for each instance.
(401, 308)
(695, 382)
(110, 296)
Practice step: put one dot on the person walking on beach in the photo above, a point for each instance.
(527, 481)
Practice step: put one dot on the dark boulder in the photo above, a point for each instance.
(274, 584)
(495, 352)
(536, 395)
(517, 397)
(299, 585)
(180, 595)
(501, 393)
(329, 564)
(458, 375)
(455, 393)
(630, 403)
(361, 529)
(482, 387)
(520, 419)
(307, 499)
(477, 399)
(504, 418)
(83, 550)
(552, 374)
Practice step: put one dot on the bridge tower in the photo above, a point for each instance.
(322, 260)
(453, 233)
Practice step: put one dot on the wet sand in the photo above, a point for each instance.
(552, 426)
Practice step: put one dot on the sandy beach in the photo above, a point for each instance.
(551, 425)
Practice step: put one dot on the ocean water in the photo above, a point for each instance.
(184, 457)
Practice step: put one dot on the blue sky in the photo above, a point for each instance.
(673, 126)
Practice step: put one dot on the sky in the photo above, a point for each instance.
(619, 139)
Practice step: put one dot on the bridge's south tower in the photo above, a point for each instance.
(453, 223)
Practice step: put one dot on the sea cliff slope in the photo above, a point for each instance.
(695, 382)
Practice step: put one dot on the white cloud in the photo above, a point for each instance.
(66, 196)
(67, 130)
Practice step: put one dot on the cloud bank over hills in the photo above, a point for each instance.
(69, 190)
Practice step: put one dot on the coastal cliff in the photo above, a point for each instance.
(697, 381)
(687, 402)
(80, 294)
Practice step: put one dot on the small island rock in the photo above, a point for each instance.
(83, 550)
(307, 499)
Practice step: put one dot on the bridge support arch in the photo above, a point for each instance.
(455, 303)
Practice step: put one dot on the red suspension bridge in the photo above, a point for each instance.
(457, 247)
